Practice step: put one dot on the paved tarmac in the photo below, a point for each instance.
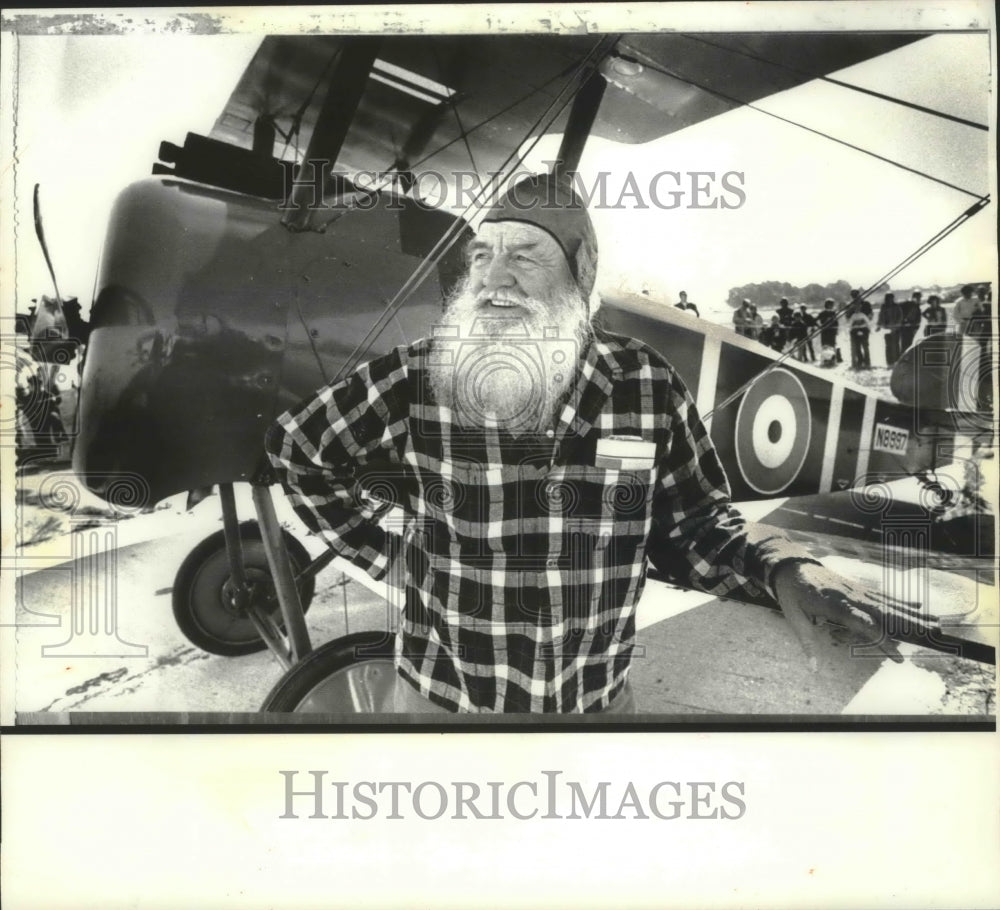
(95, 633)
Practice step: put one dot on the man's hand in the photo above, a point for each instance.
(811, 595)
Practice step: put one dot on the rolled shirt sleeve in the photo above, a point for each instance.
(698, 538)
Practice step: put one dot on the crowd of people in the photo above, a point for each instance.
(793, 330)
(790, 329)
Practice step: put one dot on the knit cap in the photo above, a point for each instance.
(551, 203)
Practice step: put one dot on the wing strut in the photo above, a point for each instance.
(581, 118)
(347, 83)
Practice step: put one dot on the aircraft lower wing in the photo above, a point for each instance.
(744, 658)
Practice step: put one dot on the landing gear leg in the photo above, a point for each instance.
(298, 644)
(224, 597)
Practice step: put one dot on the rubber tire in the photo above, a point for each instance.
(191, 599)
(331, 664)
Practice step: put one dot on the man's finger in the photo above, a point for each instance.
(889, 648)
(878, 603)
(909, 608)
(877, 597)
(868, 628)
(872, 604)
(805, 632)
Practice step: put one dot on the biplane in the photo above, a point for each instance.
(308, 232)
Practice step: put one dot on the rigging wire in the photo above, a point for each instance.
(465, 137)
(448, 239)
(520, 100)
(296, 124)
(486, 121)
(725, 97)
(910, 104)
(310, 337)
(848, 85)
(454, 108)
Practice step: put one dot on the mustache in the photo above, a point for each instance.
(467, 306)
(466, 299)
(508, 297)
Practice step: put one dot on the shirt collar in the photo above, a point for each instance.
(595, 379)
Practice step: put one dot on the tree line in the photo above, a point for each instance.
(767, 294)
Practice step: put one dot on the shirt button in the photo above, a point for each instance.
(550, 433)
(552, 563)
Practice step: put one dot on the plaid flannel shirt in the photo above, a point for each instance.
(524, 560)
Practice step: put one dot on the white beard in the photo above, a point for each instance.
(507, 371)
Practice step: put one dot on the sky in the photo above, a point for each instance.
(92, 110)
(91, 113)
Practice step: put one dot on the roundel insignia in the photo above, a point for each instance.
(773, 429)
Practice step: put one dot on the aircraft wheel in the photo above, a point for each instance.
(349, 675)
(203, 594)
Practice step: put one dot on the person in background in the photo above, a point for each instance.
(965, 309)
(829, 324)
(685, 304)
(859, 328)
(784, 312)
(911, 314)
(980, 324)
(810, 322)
(866, 356)
(857, 302)
(797, 334)
(777, 335)
(765, 335)
(935, 316)
(743, 318)
(756, 324)
(980, 330)
(890, 320)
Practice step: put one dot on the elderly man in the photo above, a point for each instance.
(546, 461)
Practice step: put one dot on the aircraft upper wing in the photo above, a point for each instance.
(464, 103)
